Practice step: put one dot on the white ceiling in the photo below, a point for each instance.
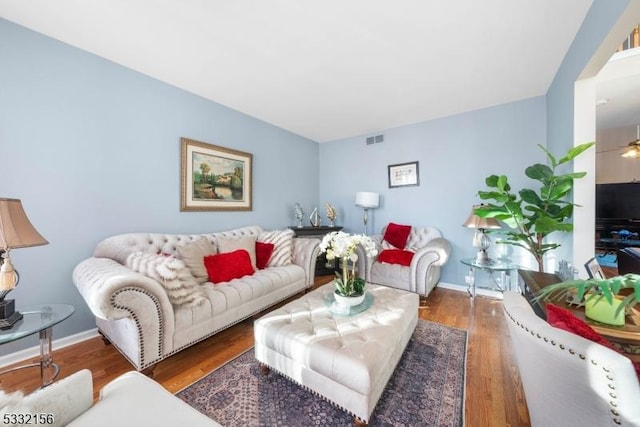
(618, 91)
(326, 69)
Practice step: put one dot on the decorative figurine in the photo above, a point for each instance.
(315, 218)
(299, 214)
(331, 213)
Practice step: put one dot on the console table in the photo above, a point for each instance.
(323, 266)
(38, 319)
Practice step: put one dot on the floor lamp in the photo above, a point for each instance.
(366, 201)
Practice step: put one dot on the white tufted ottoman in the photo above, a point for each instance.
(346, 360)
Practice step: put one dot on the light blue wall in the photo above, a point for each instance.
(455, 155)
(93, 149)
(560, 98)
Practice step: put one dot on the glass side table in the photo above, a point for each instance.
(38, 319)
(503, 268)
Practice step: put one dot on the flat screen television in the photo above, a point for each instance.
(618, 201)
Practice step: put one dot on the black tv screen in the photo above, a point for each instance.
(619, 201)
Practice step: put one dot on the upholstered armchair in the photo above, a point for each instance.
(569, 380)
(409, 258)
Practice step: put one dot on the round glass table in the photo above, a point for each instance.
(38, 319)
(504, 268)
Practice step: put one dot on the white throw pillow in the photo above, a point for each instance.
(282, 246)
(193, 256)
(182, 288)
(230, 244)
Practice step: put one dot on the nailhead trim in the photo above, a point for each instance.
(143, 364)
(315, 393)
(615, 416)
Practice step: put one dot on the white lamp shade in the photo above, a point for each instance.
(366, 199)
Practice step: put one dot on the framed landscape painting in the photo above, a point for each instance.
(215, 178)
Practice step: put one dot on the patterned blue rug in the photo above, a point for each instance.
(608, 260)
(426, 389)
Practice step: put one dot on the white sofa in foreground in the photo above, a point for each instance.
(129, 400)
(152, 297)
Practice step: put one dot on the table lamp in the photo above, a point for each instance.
(15, 232)
(367, 200)
(481, 240)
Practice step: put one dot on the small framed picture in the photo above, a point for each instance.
(594, 270)
(215, 178)
(404, 175)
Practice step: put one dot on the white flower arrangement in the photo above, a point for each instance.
(341, 245)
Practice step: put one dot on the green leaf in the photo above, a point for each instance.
(491, 181)
(560, 190)
(502, 183)
(575, 152)
(539, 172)
(552, 159)
(530, 196)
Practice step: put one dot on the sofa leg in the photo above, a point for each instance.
(105, 340)
(148, 371)
(357, 422)
(423, 301)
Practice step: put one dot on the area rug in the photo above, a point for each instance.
(426, 389)
(608, 260)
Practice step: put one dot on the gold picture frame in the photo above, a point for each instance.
(215, 178)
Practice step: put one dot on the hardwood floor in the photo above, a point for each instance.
(494, 395)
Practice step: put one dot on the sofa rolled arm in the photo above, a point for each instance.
(101, 280)
(305, 254)
(440, 247)
(426, 263)
(363, 264)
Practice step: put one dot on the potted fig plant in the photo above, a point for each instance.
(342, 246)
(533, 214)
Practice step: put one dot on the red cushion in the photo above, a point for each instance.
(397, 235)
(562, 318)
(228, 266)
(263, 254)
(396, 256)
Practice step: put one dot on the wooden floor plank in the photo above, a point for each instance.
(493, 396)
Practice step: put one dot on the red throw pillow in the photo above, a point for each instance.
(397, 235)
(263, 254)
(228, 266)
(562, 318)
(396, 256)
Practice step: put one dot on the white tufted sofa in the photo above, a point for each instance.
(431, 253)
(133, 311)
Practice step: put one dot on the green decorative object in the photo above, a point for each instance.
(534, 214)
(598, 308)
(604, 293)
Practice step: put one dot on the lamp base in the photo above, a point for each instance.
(483, 258)
(8, 315)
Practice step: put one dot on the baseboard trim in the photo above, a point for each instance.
(30, 353)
